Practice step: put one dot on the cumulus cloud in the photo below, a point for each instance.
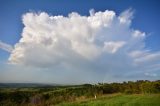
(112, 47)
(6, 47)
(101, 46)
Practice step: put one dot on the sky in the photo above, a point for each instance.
(72, 42)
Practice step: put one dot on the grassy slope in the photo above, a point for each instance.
(120, 100)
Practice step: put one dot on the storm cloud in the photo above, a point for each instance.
(100, 47)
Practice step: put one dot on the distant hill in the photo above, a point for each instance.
(21, 85)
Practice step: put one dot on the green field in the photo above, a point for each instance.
(120, 100)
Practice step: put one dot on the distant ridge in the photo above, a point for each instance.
(21, 85)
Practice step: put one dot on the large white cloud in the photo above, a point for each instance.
(102, 44)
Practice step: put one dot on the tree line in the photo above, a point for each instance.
(55, 95)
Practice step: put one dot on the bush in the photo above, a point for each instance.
(128, 91)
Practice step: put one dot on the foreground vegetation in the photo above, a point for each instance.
(126, 93)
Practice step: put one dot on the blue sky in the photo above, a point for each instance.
(146, 17)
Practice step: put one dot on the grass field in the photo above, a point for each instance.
(119, 100)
